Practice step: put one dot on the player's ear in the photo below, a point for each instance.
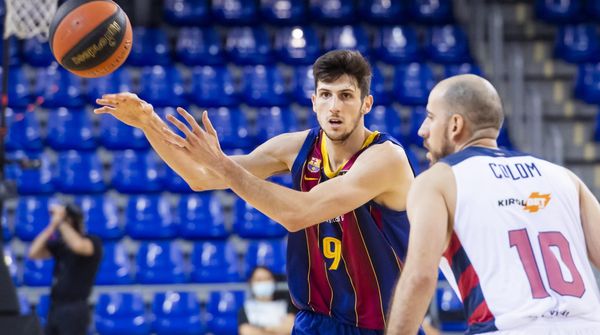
(367, 104)
(456, 124)
(313, 98)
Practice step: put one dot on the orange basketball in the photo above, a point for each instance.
(90, 38)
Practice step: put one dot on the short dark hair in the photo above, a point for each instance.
(334, 64)
(75, 215)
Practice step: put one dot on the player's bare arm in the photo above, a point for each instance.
(296, 210)
(428, 213)
(273, 157)
(590, 216)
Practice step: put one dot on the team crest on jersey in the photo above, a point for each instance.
(536, 201)
(314, 165)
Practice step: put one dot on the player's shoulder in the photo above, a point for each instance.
(387, 152)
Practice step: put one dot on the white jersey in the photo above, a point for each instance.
(517, 256)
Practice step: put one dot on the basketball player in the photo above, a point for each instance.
(516, 233)
(346, 214)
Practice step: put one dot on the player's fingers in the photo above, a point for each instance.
(207, 124)
(105, 102)
(180, 125)
(104, 110)
(170, 137)
(190, 120)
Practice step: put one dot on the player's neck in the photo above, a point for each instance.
(478, 142)
(339, 152)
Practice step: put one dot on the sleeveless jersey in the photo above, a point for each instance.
(346, 267)
(517, 256)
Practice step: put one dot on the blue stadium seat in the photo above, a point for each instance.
(450, 310)
(115, 82)
(177, 313)
(116, 135)
(11, 263)
(79, 172)
(418, 115)
(248, 46)
(264, 86)
(383, 11)
(268, 253)
(385, 119)
(151, 47)
(417, 164)
(149, 217)
(283, 12)
(593, 10)
(578, 43)
(136, 172)
(59, 87)
(38, 272)
(162, 86)
(24, 305)
(70, 129)
(36, 180)
(232, 127)
(587, 83)
(115, 267)
(347, 37)
(380, 88)
(432, 11)
(272, 121)
(464, 68)
(199, 46)
(19, 89)
(222, 309)
(160, 262)
(447, 44)
(186, 12)
(213, 86)
(37, 53)
(214, 262)
(412, 83)
(304, 85)
(24, 132)
(31, 217)
(102, 216)
(504, 140)
(119, 313)
(332, 11)
(298, 45)
(234, 11)
(6, 230)
(397, 44)
(560, 11)
(42, 308)
(250, 223)
(200, 215)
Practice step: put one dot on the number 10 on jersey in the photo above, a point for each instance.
(556, 281)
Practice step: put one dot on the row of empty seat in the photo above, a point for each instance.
(567, 11)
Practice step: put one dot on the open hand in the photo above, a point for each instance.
(129, 109)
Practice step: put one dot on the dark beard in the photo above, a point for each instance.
(446, 150)
(343, 137)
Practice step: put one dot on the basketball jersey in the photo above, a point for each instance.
(346, 267)
(517, 256)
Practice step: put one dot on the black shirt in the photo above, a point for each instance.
(73, 275)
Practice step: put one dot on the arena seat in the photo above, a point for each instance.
(304, 85)
(199, 46)
(119, 313)
(177, 313)
(577, 43)
(333, 11)
(234, 11)
(347, 37)
(283, 12)
(162, 86)
(149, 217)
(200, 216)
(118, 81)
(36, 180)
(264, 86)
(270, 253)
(151, 47)
(450, 310)
(232, 126)
(38, 272)
(115, 267)
(24, 131)
(297, 45)
(37, 53)
(174, 182)
(11, 263)
(186, 12)
(383, 11)
(380, 89)
(248, 46)
(432, 11)
(6, 230)
(116, 135)
(42, 308)
(214, 262)
(412, 83)
(19, 89)
(136, 172)
(397, 44)
(559, 11)
(59, 87)
(447, 44)
(587, 83)
(70, 129)
(464, 68)
(31, 216)
(24, 305)
(79, 172)
(272, 121)
(418, 115)
(160, 262)
(102, 216)
(385, 119)
(222, 309)
(250, 223)
(213, 86)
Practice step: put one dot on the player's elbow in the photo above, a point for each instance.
(421, 279)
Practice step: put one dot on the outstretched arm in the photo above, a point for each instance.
(428, 216)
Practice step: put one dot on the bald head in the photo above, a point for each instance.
(474, 98)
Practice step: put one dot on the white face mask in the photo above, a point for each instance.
(263, 289)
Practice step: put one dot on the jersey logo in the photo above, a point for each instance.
(536, 201)
(314, 165)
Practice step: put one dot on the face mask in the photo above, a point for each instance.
(263, 289)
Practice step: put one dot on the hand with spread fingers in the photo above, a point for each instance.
(130, 109)
(201, 145)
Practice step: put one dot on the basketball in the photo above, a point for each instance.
(90, 38)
